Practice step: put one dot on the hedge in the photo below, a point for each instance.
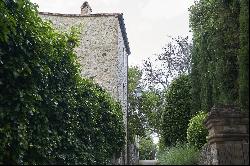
(48, 113)
(177, 111)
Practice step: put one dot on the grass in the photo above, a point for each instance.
(181, 154)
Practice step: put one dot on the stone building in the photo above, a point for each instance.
(103, 51)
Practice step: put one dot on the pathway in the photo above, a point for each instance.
(148, 162)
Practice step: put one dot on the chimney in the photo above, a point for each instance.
(85, 9)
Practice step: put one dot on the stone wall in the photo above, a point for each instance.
(123, 84)
(133, 154)
(102, 53)
(98, 50)
(228, 139)
(227, 154)
(122, 73)
(205, 156)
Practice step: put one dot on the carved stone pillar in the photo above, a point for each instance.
(228, 138)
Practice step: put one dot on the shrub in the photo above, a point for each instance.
(48, 113)
(197, 132)
(147, 149)
(181, 154)
(177, 111)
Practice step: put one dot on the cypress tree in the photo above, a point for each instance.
(244, 55)
(215, 69)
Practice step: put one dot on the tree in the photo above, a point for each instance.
(244, 56)
(152, 106)
(144, 106)
(147, 149)
(215, 26)
(175, 60)
(177, 111)
(136, 118)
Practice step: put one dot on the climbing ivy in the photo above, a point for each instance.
(48, 113)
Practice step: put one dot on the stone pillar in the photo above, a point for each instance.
(228, 138)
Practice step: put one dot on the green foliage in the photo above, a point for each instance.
(161, 145)
(244, 55)
(147, 149)
(152, 106)
(181, 154)
(215, 26)
(134, 79)
(48, 113)
(177, 111)
(197, 132)
(136, 118)
(144, 109)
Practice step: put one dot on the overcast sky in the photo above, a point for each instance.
(148, 22)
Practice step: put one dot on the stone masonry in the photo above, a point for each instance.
(103, 51)
(228, 139)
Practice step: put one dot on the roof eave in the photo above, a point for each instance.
(124, 33)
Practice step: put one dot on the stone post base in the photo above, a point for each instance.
(228, 139)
